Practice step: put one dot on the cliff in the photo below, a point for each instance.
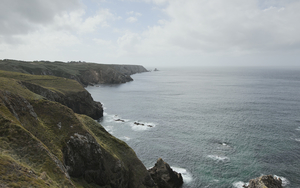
(65, 91)
(84, 73)
(43, 143)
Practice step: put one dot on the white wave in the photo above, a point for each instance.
(108, 117)
(298, 129)
(219, 158)
(141, 126)
(186, 176)
(283, 179)
(297, 139)
(125, 138)
(109, 129)
(239, 184)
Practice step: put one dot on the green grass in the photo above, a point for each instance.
(60, 68)
(54, 83)
(23, 158)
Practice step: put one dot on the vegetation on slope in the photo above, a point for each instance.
(42, 142)
(65, 91)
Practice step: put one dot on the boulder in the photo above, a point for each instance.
(164, 176)
(266, 181)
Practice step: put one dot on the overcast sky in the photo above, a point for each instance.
(152, 32)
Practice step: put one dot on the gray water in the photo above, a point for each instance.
(219, 127)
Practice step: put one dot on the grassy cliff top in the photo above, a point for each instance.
(84, 73)
(72, 68)
(54, 83)
(34, 66)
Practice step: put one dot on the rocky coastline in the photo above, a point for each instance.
(49, 136)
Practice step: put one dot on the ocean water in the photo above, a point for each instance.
(218, 126)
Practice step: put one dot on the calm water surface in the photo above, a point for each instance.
(219, 127)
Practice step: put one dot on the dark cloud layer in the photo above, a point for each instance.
(20, 17)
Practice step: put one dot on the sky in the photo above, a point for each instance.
(153, 32)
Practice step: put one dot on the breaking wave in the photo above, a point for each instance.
(219, 158)
(186, 176)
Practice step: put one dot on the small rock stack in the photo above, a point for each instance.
(164, 176)
(267, 181)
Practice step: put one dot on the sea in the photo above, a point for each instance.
(217, 126)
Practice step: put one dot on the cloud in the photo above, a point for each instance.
(131, 19)
(217, 26)
(168, 30)
(134, 16)
(134, 13)
(128, 43)
(19, 17)
(75, 20)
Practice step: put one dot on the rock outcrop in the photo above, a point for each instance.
(267, 181)
(84, 157)
(164, 176)
(80, 102)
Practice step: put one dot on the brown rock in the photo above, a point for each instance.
(267, 181)
(164, 176)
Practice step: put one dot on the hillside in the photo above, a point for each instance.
(65, 91)
(84, 73)
(43, 143)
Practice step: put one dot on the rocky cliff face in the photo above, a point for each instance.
(43, 143)
(84, 157)
(129, 69)
(100, 76)
(80, 102)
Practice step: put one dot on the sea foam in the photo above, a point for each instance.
(239, 184)
(219, 158)
(186, 176)
(285, 181)
(109, 129)
(125, 138)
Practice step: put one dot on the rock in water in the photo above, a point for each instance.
(265, 182)
(164, 176)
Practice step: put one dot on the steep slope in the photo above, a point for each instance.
(43, 143)
(84, 73)
(65, 91)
